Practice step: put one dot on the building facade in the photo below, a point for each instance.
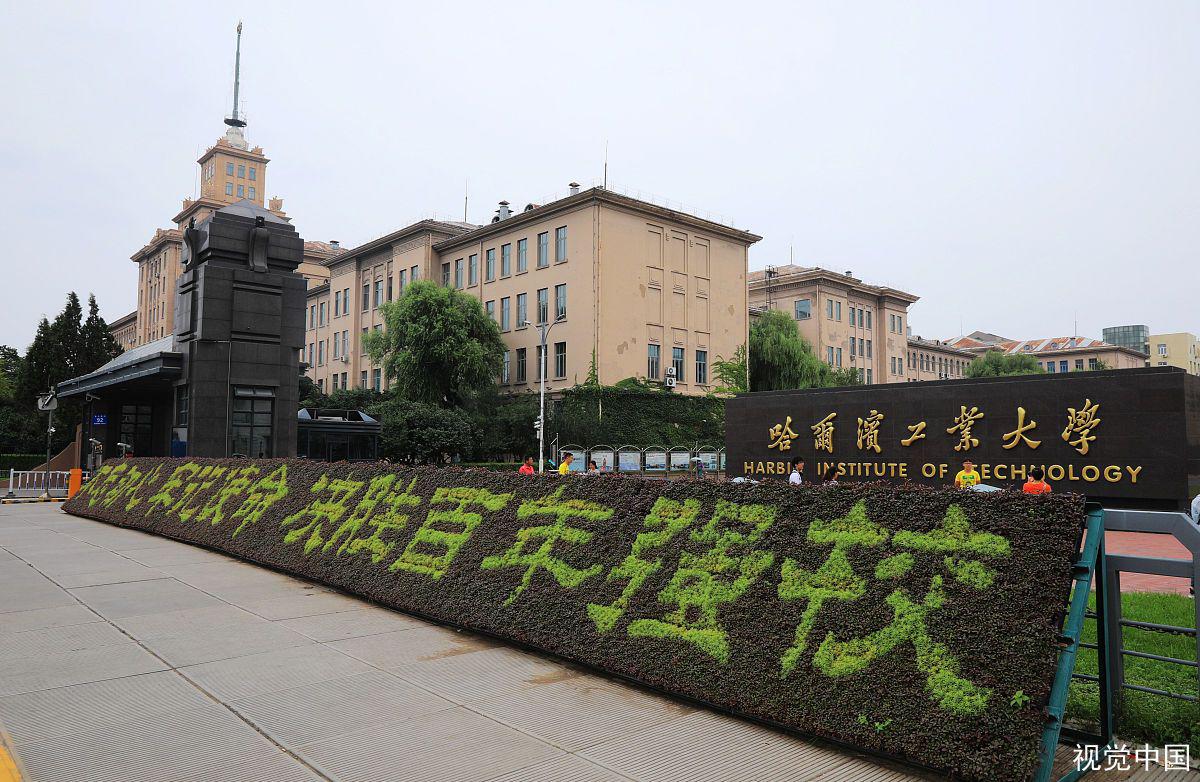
(935, 359)
(848, 322)
(1056, 354)
(124, 330)
(1132, 337)
(1175, 350)
(629, 285)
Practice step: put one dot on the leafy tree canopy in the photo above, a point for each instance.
(782, 359)
(997, 363)
(422, 433)
(438, 345)
(731, 373)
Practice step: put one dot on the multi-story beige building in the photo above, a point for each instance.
(1056, 354)
(935, 359)
(848, 322)
(230, 171)
(637, 288)
(1175, 350)
(124, 330)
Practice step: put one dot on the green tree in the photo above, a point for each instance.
(502, 427)
(97, 346)
(422, 433)
(997, 363)
(311, 394)
(438, 346)
(731, 373)
(781, 359)
(10, 371)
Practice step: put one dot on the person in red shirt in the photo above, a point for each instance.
(527, 467)
(1036, 483)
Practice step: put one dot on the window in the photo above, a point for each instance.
(869, 349)
(181, 406)
(414, 274)
(560, 301)
(489, 273)
(838, 310)
(366, 296)
(1162, 348)
(829, 309)
(521, 365)
(522, 309)
(241, 191)
(560, 244)
(829, 355)
(860, 316)
(543, 250)
(868, 320)
(853, 346)
(505, 323)
(253, 173)
(541, 363)
(312, 316)
(1049, 366)
(490, 307)
(362, 379)
(345, 301)
(321, 385)
(560, 359)
(900, 364)
(336, 340)
(446, 274)
(892, 364)
(543, 306)
(334, 380)
(229, 169)
(377, 379)
(389, 287)
(310, 354)
(241, 172)
(458, 273)
(860, 343)
(1092, 364)
(1078, 365)
(362, 346)
(322, 311)
(252, 191)
(378, 293)
(505, 260)
(1062, 366)
(344, 381)
(851, 321)
(253, 411)
(702, 367)
(868, 377)
(803, 309)
(839, 357)
(652, 359)
(403, 281)
(522, 255)
(504, 368)
(337, 303)
(677, 358)
(228, 188)
(321, 353)
(345, 346)
(473, 270)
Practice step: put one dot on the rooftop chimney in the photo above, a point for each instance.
(335, 244)
(574, 188)
(849, 273)
(503, 212)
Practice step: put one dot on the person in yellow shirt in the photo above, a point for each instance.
(967, 477)
(564, 466)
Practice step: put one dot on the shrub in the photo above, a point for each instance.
(903, 620)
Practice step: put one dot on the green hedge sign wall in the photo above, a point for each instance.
(908, 621)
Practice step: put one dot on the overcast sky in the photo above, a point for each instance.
(1014, 164)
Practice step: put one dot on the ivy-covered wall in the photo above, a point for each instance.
(606, 415)
(914, 622)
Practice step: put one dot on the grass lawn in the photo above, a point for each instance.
(1143, 717)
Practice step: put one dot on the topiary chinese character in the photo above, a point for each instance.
(320, 511)
(445, 530)
(380, 509)
(263, 494)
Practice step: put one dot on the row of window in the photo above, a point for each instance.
(833, 311)
(678, 363)
(373, 294)
(521, 374)
(506, 322)
(342, 381)
(241, 191)
(453, 271)
(944, 367)
(241, 171)
(1064, 365)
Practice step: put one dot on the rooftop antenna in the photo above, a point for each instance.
(605, 164)
(465, 194)
(771, 273)
(234, 135)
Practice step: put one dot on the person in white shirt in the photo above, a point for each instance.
(797, 476)
(1196, 509)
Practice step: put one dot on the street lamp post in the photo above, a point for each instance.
(544, 330)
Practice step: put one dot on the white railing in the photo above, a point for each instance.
(35, 483)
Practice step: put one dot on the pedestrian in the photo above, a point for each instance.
(593, 468)
(797, 476)
(564, 466)
(699, 467)
(967, 477)
(1037, 482)
(527, 467)
(1196, 510)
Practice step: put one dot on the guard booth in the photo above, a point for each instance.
(337, 435)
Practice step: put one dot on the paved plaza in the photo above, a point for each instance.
(125, 656)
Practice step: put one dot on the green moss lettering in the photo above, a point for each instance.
(380, 510)
(263, 494)
(445, 530)
(185, 506)
(664, 521)
(168, 494)
(702, 583)
(550, 535)
(309, 523)
(124, 484)
(894, 567)
(955, 538)
(93, 490)
(236, 483)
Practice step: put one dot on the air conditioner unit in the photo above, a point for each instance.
(345, 359)
(670, 381)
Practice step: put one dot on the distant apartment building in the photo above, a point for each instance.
(935, 359)
(1056, 354)
(124, 330)
(1132, 337)
(634, 287)
(848, 322)
(1175, 350)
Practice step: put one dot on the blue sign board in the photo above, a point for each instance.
(99, 419)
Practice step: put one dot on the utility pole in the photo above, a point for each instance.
(544, 330)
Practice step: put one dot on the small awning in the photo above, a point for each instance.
(154, 360)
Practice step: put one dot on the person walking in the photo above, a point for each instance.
(1036, 484)
(593, 468)
(527, 467)
(797, 476)
(968, 476)
(564, 466)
